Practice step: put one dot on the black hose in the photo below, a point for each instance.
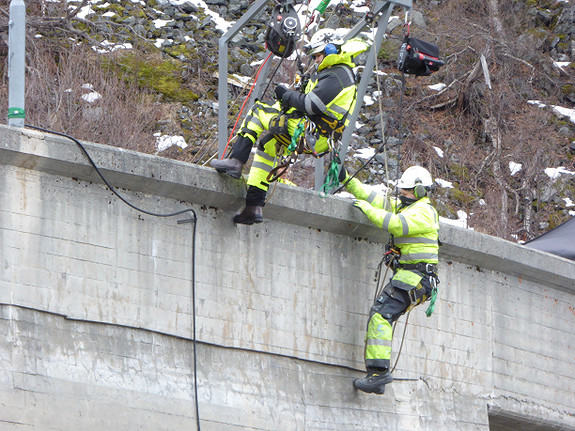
(173, 214)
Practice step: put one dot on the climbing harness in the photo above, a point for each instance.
(288, 148)
(282, 35)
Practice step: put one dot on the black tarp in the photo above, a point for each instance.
(559, 241)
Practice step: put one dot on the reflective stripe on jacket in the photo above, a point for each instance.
(415, 229)
(330, 93)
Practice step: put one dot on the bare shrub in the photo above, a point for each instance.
(70, 91)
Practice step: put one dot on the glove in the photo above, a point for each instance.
(279, 92)
(342, 175)
(375, 215)
(362, 205)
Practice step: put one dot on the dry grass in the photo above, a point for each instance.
(71, 91)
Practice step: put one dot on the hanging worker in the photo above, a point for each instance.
(326, 101)
(413, 224)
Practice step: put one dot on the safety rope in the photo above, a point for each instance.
(382, 147)
(380, 104)
(208, 143)
(402, 340)
(379, 284)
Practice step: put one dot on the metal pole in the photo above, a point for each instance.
(16, 63)
(385, 8)
(255, 9)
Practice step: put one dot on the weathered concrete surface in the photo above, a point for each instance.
(96, 299)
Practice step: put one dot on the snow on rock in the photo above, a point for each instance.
(437, 87)
(439, 151)
(555, 173)
(364, 153)
(514, 167)
(559, 110)
(443, 183)
(163, 142)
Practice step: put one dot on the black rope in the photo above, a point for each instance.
(193, 220)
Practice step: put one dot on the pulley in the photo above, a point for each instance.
(284, 31)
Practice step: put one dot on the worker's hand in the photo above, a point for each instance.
(375, 215)
(362, 205)
(343, 176)
(279, 92)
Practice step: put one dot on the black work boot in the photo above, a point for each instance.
(250, 215)
(374, 382)
(232, 167)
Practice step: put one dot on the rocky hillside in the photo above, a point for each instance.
(492, 125)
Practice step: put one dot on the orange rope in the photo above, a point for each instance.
(244, 104)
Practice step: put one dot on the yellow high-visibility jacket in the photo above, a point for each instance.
(415, 229)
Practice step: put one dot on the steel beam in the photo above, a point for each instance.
(385, 8)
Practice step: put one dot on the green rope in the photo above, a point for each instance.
(332, 177)
(431, 307)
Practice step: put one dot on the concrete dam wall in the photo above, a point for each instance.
(98, 303)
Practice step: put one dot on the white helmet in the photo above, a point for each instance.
(321, 39)
(414, 176)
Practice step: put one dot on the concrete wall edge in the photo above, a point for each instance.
(126, 169)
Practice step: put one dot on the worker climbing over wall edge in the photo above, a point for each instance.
(325, 101)
(413, 224)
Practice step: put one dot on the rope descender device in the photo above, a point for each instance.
(284, 30)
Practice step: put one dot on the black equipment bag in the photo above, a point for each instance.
(419, 58)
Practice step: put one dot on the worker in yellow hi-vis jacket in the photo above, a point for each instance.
(326, 101)
(414, 227)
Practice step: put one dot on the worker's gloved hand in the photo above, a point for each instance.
(362, 205)
(279, 92)
(343, 176)
(375, 215)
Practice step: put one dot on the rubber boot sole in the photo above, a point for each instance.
(379, 390)
(234, 174)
